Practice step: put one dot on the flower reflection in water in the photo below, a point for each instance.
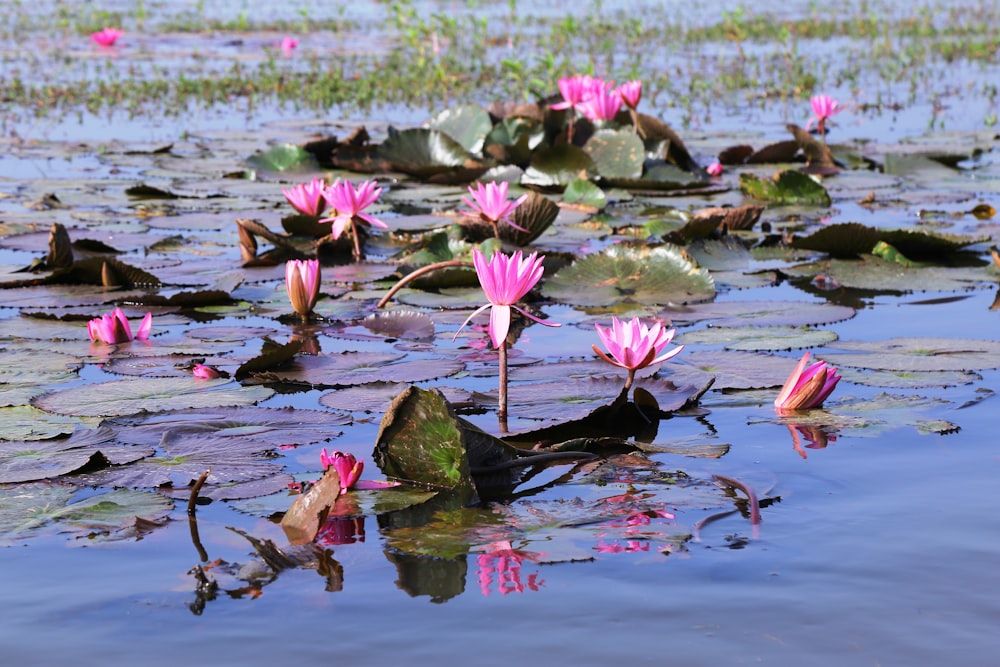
(816, 437)
(341, 531)
(504, 561)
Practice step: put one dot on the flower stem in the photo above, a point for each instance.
(502, 398)
(410, 277)
(357, 241)
(630, 379)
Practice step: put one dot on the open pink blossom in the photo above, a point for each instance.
(807, 387)
(505, 280)
(823, 107)
(203, 372)
(113, 327)
(633, 345)
(491, 204)
(602, 104)
(288, 45)
(349, 204)
(631, 92)
(107, 36)
(577, 88)
(302, 281)
(349, 470)
(307, 198)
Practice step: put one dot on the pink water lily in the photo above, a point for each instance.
(492, 206)
(807, 387)
(631, 92)
(823, 107)
(107, 36)
(577, 88)
(302, 281)
(307, 198)
(203, 372)
(350, 203)
(505, 280)
(349, 470)
(288, 45)
(603, 104)
(633, 345)
(714, 169)
(113, 327)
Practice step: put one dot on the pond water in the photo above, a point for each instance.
(878, 540)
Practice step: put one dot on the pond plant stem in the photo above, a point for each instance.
(502, 391)
(193, 498)
(413, 275)
(745, 488)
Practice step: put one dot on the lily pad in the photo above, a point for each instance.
(423, 152)
(880, 275)
(760, 313)
(581, 191)
(735, 370)
(24, 422)
(918, 354)
(125, 397)
(409, 325)
(26, 509)
(787, 187)
(558, 166)
(283, 157)
(624, 273)
(350, 368)
(760, 339)
(616, 153)
(376, 396)
(467, 124)
(27, 461)
(908, 379)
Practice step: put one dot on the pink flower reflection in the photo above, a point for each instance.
(815, 437)
(341, 531)
(504, 561)
(630, 546)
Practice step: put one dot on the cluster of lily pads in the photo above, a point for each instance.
(633, 276)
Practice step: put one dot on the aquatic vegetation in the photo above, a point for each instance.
(807, 386)
(823, 107)
(113, 328)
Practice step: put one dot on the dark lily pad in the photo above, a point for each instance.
(184, 460)
(624, 273)
(558, 166)
(918, 354)
(27, 509)
(124, 397)
(760, 339)
(851, 239)
(376, 396)
(760, 313)
(26, 461)
(350, 368)
(425, 153)
(260, 428)
(881, 275)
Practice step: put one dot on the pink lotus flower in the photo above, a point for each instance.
(113, 328)
(491, 204)
(631, 93)
(823, 107)
(302, 280)
(288, 45)
(203, 372)
(347, 467)
(601, 105)
(633, 345)
(505, 279)
(107, 37)
(577, 88)
(714, 169)
(307, 198)
(349, 203)
(807, 387)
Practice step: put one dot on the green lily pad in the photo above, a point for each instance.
(787, 187)
(880, 275)
(616, 153)
(24, 422)
(125, 397)
(467, 124)
(349, 368)
(423, 152)
(582, 191)
(851, 239)
(512, 140)
(908, 379)
(760, 313)
(623, 273)
(558, 166)
(26, 509)
(283, 157)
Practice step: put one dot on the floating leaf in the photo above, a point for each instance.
(581, 191)
(734, 370)
(787, 187)
(616, 153)
(467, 124)
(282, 157)
(124, 397)
(27, 508)
(376, 396)
(876, 274)
(27, 461)
(24, 422)
(622, 273)
(425, 153)
(558, 166)
(908, 379)
(918, 354)
(303, 519)
(406, 324)
(760, 339)
(760, 313)
(851, 239)
(349, 368)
